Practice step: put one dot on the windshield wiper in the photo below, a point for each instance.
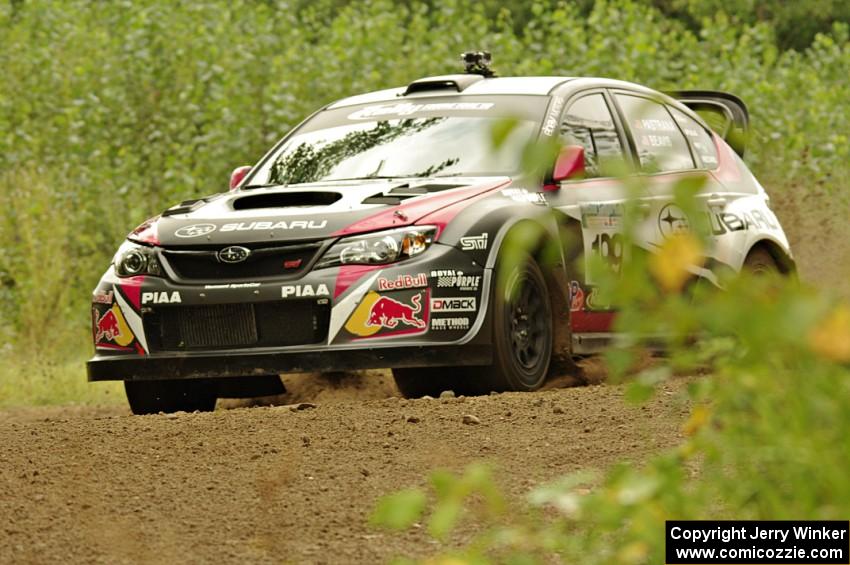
(377, 177)
(266, 185)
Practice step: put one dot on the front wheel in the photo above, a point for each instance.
(152, 397)
(416, 382)
(522, 331)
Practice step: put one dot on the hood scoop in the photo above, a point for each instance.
(396, 195)
(190, 205)
(286, 200)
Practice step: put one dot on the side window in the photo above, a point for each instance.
(588, 122)
(700, 139)
(660, 144)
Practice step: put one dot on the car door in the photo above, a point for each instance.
(670, 147)
(595, 200)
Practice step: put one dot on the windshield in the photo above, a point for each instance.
(402, 140)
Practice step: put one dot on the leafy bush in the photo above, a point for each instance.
(111, 111)
(765, 437)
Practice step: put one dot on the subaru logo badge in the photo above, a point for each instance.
(195, 230)
(233, 254)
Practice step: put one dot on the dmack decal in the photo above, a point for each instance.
(403, 281)
(281, 225)
(302, 290)
(111, 327)
(377, 312)
(466, 304)
(161, 297)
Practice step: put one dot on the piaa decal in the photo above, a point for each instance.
(161, 297)
(303, 290)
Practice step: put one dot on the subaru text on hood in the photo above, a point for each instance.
(370, 237)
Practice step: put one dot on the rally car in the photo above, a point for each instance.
(370, 237)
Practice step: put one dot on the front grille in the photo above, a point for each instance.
(263, 262)
(264, 324)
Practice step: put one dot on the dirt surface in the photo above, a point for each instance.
(280, 484)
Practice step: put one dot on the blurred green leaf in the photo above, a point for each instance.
(399, 510)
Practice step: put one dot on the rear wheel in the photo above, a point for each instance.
(760, 262)
(152, 397)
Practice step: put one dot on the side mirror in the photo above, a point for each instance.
(237, 175)
(570, 163)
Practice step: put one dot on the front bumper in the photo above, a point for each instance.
(427, 311)
(247, 363)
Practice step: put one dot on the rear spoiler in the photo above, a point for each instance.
(725, 113)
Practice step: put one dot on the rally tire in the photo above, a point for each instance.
(522, 332)
(760, 262)
(153, 397)
(416, 382)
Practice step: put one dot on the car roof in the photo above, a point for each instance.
(503, 85)
(526, 85)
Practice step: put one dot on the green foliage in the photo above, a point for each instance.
(110, 112)
(764, 439)
(400, 510)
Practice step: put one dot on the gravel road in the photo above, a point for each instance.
(280, 484)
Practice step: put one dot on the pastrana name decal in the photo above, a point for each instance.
(406, 108)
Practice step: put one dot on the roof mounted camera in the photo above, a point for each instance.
(478, 63)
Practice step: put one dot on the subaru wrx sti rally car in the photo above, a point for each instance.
(369, 237)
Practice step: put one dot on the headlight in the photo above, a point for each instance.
(379, 248)
(133, 259)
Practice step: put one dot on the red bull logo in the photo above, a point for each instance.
(111, 328)
(376, 314)
(388, 313)
(107, 327)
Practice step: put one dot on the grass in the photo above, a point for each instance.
(39, 380)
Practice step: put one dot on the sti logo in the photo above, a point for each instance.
(474, 242)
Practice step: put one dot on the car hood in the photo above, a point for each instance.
(307, 212)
